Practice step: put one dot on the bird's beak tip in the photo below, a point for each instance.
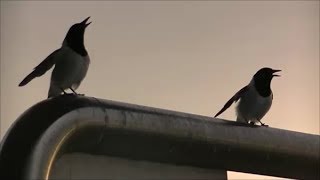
(276, 75)
(85, 22)
(88, 23)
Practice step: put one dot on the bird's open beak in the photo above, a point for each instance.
(85, 22)
(274, 71)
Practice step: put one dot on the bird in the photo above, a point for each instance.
(255, 99)
(71, 62)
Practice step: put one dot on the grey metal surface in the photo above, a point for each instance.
(89, 125)
(80, 166)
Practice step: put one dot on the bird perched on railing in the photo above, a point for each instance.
(71, 62)
(255, 98)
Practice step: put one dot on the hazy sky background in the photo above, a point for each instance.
(184, 56)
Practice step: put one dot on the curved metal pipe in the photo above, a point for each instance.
(95, 126)
(53, 143)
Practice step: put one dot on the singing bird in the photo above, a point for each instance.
(71, 62)
(255, 98)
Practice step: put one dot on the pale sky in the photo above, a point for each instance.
(184, 55)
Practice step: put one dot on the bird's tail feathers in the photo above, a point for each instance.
(42, 68)
(27, 79)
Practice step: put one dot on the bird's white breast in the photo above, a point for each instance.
(70, 68)
(252, 106)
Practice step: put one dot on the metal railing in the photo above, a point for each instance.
(70, 123)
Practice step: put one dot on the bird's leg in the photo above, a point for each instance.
(263, 124)
(74, 92)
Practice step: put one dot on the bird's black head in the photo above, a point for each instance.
(75, 37)
(262, 80)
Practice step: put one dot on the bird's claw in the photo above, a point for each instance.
(263, 124)
(68, 94)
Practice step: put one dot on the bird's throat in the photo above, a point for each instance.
(263, 88)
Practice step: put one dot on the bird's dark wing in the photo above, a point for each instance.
(43, 67)
(235, 98)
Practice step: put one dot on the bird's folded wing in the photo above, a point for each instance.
(43, 67)
(235, 98)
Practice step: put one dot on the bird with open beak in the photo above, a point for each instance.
(255, 99)
(71, 62)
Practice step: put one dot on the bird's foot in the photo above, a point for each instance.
(68, 94)
(252, 123)
(75, 93)
(65, 93)
(263, 124)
